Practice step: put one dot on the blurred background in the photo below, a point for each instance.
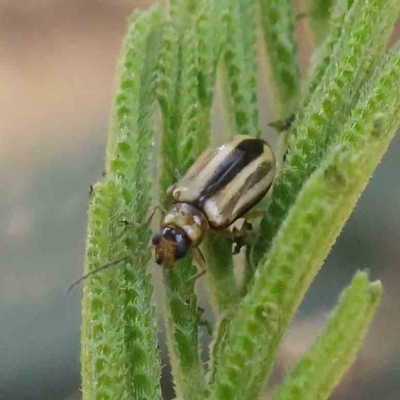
(57, 61)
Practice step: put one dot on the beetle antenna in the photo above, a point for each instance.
(95, 271)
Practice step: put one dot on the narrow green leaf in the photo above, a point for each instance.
(119, 330)
(182, 328)
(306, 236)
(211, 32)
(222, 284)
(99, 333)
(220, 334)
(194, 132)
(320, 369)
(322, 57)
(240, 63)
(278, 27)
(365, 32)
(186, 121)
(223, 291)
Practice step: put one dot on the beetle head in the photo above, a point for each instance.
(170, 245)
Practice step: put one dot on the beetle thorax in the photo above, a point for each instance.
(187, 219)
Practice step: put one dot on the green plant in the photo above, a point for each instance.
(345, 120)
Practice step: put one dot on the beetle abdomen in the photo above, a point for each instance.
(226, 182)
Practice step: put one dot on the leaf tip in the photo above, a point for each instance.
(376, 291)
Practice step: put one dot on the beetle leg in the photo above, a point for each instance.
(178, 175)
(283, 124)
(240, 237)
(148, 220)
(235, 235)
(153, 211)
(202, 321)
(222, 232)
(201, 264)
(253, 214)
(197, 276)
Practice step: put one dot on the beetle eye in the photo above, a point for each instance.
(180, 250)
(156, 239)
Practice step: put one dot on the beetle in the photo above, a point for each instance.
(220, 187)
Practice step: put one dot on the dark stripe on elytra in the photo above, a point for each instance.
(251, 181)
(246, 207)
(241, 156)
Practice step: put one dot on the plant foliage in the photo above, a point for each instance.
(173, 61)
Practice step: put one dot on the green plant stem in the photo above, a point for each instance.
(119, 332)
(320, 369)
